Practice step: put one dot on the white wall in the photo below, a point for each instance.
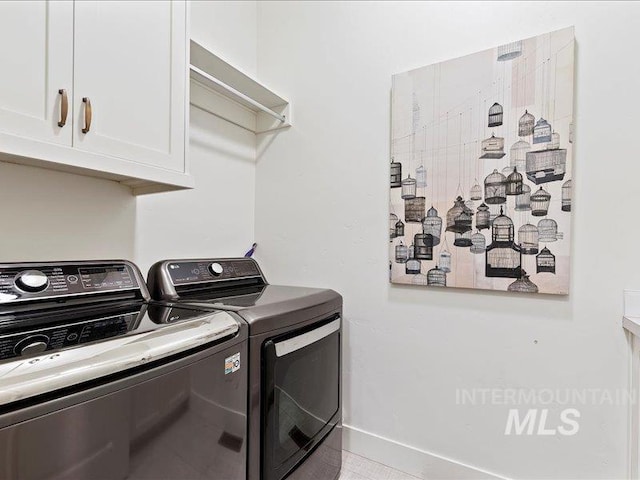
(217, 217)
(50, 215)
(321, 219)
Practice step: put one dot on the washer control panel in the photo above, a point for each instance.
(19, 282)
(201, 271)
(61, 336)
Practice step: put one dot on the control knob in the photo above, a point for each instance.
(32, 344)
(32, 281)
(216, 269)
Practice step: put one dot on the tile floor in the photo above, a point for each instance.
(355, 467)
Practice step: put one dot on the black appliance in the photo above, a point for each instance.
(295, 427)
(99, 383)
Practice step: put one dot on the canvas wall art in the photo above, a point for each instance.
(480, 175)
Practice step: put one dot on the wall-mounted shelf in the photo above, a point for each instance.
(226, 92)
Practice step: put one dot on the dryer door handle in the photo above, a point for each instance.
(296, 343)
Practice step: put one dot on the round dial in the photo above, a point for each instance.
(32, 281)
(32, 344)
(216, 269)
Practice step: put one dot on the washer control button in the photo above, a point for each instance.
(216, 269)
(32, 281)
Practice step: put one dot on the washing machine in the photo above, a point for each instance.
(294, 396)
(100, 383)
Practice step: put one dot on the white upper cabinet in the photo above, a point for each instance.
(130, 63)
(36, 54)
(119, 67)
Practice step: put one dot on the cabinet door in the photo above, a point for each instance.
(36, 51)
(129, 62)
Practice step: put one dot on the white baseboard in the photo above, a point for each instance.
(409, 459)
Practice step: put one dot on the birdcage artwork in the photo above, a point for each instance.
(421, 176)
(523, 285)
(523, 199)
(423, 243)
(548, 230)
(463, 221)
(412, 251)
(396, 174)
(503, 260)
(478, 243)
(502, 229)
(554, 144)
(414, 210)
(545, 166)
(514, 183)
(509, 51)
(528, 239)
(495, 115)
(420, 279)
(408, 188)
(518, 155)
(453, 213)
(495, 188)
(545, 261)
(462, 239)
(483, 217)
(412, 266)
(432, 224)
(436, 277)
(566, 196)
(445, 261)
(402, 253)
(476, 192)
(393, 219)
(542, 131)
(540, 202)
(399, 228)
(493, 147)
(526, 124)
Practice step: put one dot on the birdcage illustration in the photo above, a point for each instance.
(445, 261)
(554, 144)
(493, 147)
(399, 228)
(402, 253)
(462, 239)
(509, 51)
(518, 154)
(436, 277)
(412, 267)
(545, 261)
(453, 213)
(503, 256)
(393, 219)
(495, 188)
(421, 177)
(528, 239)
(503, 260)
(408, 188)
(514, 183)
(526, 124)
(420, 279)
(566, 196)
(423, 243)
(412, 251)
(476, 192)
(523, 199)
(396, 174)
(414, 209)
(523, 285)
(548, 230)
(546, 165)
(478, 243)
(463, 221)
(483, 217)
(432, 224)
(540, 202)
(542, 131)
(495, 115)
